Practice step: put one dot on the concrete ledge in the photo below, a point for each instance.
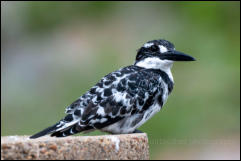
(128, 146)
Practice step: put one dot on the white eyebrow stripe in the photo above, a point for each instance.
(147, 45)
(163, 49)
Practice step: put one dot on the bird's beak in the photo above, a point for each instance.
(176, 56)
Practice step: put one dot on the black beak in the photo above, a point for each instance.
(176, 56)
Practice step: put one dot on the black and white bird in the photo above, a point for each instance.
(125, 99)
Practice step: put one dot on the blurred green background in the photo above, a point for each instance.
(53, 52)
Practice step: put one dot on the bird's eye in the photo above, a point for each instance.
(154, 48)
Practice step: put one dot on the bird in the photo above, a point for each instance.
(125, 99)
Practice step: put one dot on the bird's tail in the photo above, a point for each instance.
(61, 129)
(46, 131)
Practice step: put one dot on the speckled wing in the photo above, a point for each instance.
(118, 95)
(103, 91)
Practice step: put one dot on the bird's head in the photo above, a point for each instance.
(159, 54)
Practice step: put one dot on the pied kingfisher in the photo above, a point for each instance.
(125, 99)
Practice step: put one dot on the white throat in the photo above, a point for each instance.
(156, 63)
